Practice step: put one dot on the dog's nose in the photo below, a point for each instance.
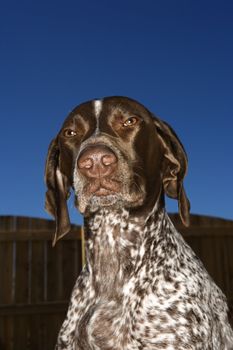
(97, 161)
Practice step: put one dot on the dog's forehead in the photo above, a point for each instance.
(102, 108)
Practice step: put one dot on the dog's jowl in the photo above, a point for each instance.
(142, 287)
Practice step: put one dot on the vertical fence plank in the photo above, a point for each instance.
(21, 333)
(83, 246)
(6, 272)
(70, 266)
(37, 272)
(6, 333)
(218, 248)
(22, 273)
(38, 331)
(228, 268)
(55, 271)
(207, 253)
(6, 293)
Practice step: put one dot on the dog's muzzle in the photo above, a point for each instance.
(98, 164)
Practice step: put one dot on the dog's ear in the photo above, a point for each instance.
(174, 168)
(57, 192)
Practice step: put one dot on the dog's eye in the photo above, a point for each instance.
(130, 121)
(69, 133)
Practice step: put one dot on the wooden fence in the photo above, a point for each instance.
(212, 240)
(36, 280)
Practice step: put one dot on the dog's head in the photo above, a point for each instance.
(113, 153)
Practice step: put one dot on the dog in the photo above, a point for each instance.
(142, 287)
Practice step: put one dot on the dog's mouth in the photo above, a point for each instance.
(112, 194)
(102, 191)
(102, 187)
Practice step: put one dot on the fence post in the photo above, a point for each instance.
(83, 247)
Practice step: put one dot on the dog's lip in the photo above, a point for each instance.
(102, 191)
(103, 187)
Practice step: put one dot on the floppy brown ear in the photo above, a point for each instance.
(174, 168)
(57, 193)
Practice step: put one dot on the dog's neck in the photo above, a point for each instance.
(114, 244)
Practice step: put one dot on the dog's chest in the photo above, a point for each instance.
(117, 324)
(139, 318)
(107, 328)
(137, 299)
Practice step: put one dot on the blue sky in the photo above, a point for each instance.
(174, 56)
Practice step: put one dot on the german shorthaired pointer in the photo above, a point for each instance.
(142, 287)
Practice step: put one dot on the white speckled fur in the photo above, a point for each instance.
(161, 308)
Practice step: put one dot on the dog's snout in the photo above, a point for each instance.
(97, 161)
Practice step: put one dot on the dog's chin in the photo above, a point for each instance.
(97, 202)
(112, 201)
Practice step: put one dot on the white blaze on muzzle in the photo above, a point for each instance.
(97, 109)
